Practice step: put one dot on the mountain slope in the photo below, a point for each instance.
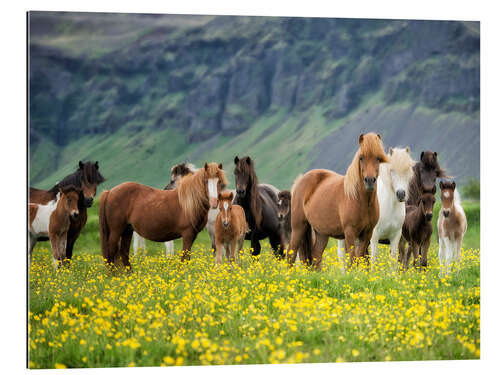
(142, 92)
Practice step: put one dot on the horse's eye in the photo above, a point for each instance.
(67, 200)
(361, 158)
(379, 159)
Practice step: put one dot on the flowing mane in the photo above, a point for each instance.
(400, 161)
(87, 173)
(192, 190)
(370, 146)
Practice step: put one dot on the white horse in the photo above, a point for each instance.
(392, 192)
(451, 225)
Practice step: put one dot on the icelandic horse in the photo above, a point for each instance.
(326, 204)
(157, 215)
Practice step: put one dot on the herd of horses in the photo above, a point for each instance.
(382, 198)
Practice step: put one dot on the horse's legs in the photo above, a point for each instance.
(32, 243)
(54, 243)
(125, 240)
(350, 243)
(298, 236)
(136, 243)
(402, 250)
(75, 228)
(240, 248)
(374, 249)
(394, 246)
(277, 245)
(188, 238)
(255, 244)
(212, 239)
(169, 248)
(318, 249)
(442, 254)
(425, 250)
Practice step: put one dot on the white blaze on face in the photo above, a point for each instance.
(212, 187)
(446, 194)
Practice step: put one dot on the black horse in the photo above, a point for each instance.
(87, 176)
(426, 171)
(260, 202)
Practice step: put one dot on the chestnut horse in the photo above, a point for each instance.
(87, 177)
(260, 202)
(284, 198)
(230, 228)
(332, 205)
(155, 214)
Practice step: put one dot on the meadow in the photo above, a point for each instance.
(172, 313)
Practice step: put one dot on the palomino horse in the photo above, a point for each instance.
(392, 192)
(451, 224)
(426, 171)
(86, 177)
(158, 215)
(53, 220)
(332, 205)
(260, 202)
(176, 173)
(284, 216)
(417, 230)
(230, 228)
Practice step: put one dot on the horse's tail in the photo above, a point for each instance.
(103, 224)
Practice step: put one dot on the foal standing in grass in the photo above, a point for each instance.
(451, 224)
(53, 221)
(417, 230)
(230, 228)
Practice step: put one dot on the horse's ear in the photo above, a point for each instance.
(96, 165)
(391, 151)
(454, 185)
(435, 154)
(434, 189)
(422, 156)
(220, 166)
(360, 138)
(408, 150)
(231, 196)
(441, 185)
(80, 164)
(249, 161)
(206, 166)
(236, 159)
(219, 196)
(379, 137)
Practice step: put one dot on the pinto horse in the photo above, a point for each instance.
(260, 202)
(158, 215)
(87, 177)
(326, 204)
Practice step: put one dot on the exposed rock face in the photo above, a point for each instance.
(212, 76)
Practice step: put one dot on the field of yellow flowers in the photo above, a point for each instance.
(172, 313)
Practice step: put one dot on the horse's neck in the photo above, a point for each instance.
(366, 198)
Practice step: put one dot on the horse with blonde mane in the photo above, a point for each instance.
(326, 204)
(157, 215)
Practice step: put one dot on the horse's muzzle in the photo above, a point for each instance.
(428, 217)
(74, 215)
(240, 192)
(370, 184)
(225, 223)
(401, 194)
(446, 213)
(88, 202)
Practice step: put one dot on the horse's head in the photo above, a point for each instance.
(225, 206)
(401, 171)
(244, 175)
(426, 203)
(91, 177)
(177, 172)
(447, 195)
(215, 179)
(284, 198)
(69, 198)
(429, 170)
(370, 155)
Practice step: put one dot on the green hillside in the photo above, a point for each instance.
(140, 93)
